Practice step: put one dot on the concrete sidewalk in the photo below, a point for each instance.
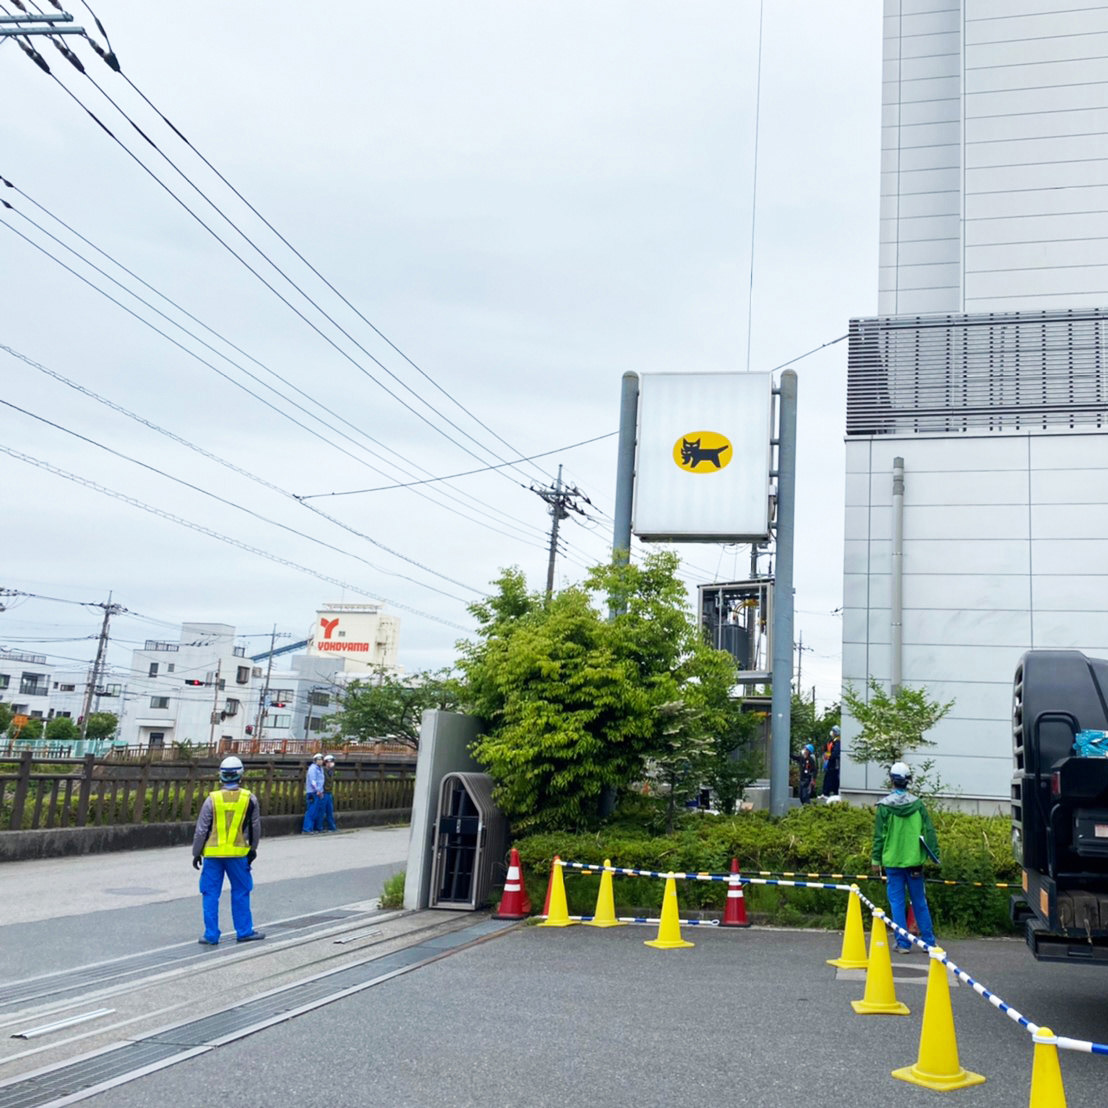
(58, 887)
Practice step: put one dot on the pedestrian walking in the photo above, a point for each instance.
(313, 795)
(903, 839)
(225, 843)
(832, 759)
(806, 780)
(329, 793)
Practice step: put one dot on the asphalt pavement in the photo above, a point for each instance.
(539, 1016)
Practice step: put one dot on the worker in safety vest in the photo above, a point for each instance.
(226, 842)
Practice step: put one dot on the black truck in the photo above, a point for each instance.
(1060, 805)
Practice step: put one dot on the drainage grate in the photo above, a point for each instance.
(141, 965)
(116, 1065)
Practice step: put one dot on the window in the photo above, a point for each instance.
(157, 739)
(280, 698)
(243, 675)
(232, 707)
(170, 667)
(5, 680)
(34, 684)
(109, 690)
(159, 702)
(317, 723)
(66, 715)
(320, 699)
(66, 688)
(283, 719)
(153, 669)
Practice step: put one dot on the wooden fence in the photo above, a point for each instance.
(39, 793)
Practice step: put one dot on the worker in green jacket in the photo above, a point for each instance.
(903, 839)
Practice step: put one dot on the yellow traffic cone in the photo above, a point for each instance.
(853, 955)
(604, 914)
(669, 926)
(880, 995)
(1046, 1073)
(558, 912)
(938, 1067)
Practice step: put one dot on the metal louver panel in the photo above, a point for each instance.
(994, 371)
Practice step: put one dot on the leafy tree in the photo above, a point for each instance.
(389, 707)
(734, 762)
(61, 729)
(101, 725)
(28, 732)
(575, 702)
(5, 717)
(892, 726)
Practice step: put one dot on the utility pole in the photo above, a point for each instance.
(561, 501)
(259, 721)
(215, 700)
(110, 610)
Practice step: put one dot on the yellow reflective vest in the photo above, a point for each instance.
(228, 817)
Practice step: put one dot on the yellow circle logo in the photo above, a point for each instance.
(702, 451)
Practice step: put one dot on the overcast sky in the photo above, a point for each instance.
(518, 202)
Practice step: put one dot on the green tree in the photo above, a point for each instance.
(5, 717)
(574, 703)
(101, 725)
(734, 761)
(389, 707)
(29, 732)
(61, 729)
(893, 726)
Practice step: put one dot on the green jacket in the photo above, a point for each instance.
(901, 821)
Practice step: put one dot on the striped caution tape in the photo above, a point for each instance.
(749, 877)
(649, 919)
(1061, 1041)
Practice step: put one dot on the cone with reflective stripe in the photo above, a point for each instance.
(854, 954)
(669, 926)
(1046, 1073)
(938, 1067)
(734, 915)
(879, 998)
(514, 903)
(557, 911)
(604, 914)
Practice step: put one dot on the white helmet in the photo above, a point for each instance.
(317, 757)
(230, 770)
(328, 758)
(900, 773)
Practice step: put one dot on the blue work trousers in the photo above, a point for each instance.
(313, 815)
(327, 823)
(901, 881)
(211, 885)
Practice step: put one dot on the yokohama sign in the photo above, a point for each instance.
(343, 647)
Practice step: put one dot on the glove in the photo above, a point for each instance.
(197, 862)
(251, 855)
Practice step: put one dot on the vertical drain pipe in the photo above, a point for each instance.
(896, 613)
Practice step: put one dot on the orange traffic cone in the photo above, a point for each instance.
(734, 914)
(514, 903)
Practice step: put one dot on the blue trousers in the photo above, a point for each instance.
(327, 822)
(211, 885)
(313, 816)
(901, 881)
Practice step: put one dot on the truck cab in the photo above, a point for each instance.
(1060, 805)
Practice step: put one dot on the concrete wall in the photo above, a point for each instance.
(21, 846)
(1005, 550)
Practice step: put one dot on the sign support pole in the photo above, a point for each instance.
(783, 597)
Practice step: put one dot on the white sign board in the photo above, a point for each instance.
(702, 459)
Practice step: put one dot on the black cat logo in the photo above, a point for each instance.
(708, 447)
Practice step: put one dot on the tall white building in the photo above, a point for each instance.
(977, 408)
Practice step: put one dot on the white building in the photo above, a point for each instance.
(985, 375)
(361, 636)
(25, 683)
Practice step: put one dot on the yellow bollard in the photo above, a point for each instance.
(938, 1067)
(604, 915)
(558, 912)
(669, 926)
(880, 995)
(853, 955)
(1046, 1073)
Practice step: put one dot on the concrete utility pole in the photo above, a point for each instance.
(561, 503)
(110, 610)
(259, 722)
(215, 700)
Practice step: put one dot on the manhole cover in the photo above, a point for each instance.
(134, 890)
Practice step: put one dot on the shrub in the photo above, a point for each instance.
(392, 895)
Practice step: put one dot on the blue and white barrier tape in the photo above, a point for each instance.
(1061, 1041)
(679, 876)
